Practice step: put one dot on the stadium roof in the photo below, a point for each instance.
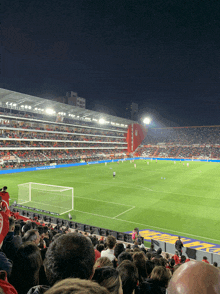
(27, 103)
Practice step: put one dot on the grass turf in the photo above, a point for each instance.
(185, 203)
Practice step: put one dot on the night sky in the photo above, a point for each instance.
(163, 55)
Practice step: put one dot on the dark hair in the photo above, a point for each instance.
(70, 255)
(182, 259)
(139, 260)
(4, 188)
(30, 236)
(205, 258)
(100, 247)
(119, 248)
(27, 227)
(129, 276)
(149, 267)
(148, 255)
(17, 230)
(41, 230)
(94, 240)
(74, 286)
(124, 256)
(172, 262)
(26, 267)
(215, 264)
(110, 242)
(161, 275)
(108, 277)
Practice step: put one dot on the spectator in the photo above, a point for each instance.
(129, 276)
(124, 256)
(26, 267)
(69, 286)
(205, 259)
(70, 255)
(119, 248)
(103, 261)
(195, 277)
(110, 242)
(139, 260)
(215, 264)
(108, 277)
(32, 236)
(157, 283)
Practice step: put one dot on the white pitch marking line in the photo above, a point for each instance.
(102, 201)
(159, 229)
(124, 212)
(93, 213)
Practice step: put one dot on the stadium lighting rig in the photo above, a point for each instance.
(147, 120)
(49, 111)
(101, 121)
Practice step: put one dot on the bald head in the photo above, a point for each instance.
(195, 277)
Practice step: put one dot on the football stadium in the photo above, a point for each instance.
(69, 169)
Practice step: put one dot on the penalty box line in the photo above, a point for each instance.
(103, 201)
(131, 207)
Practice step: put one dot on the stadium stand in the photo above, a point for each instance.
(25, 143)
(44, 253)
(188, 142)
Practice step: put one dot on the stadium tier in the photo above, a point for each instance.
(185, 142)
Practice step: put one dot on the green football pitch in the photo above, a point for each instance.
(164, 196)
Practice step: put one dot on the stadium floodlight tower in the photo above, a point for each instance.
(147, 120)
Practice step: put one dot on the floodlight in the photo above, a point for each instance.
(49, 111)
(101, 121)
(147, 120)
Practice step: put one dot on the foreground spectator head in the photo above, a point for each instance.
(109, 278)
(129, 276)
(195, 277)
(77, 286)
(69, 256)
(26, 267)
(161, 275)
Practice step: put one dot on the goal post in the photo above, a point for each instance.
(58, 199)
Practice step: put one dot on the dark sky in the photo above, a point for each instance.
(163, 55)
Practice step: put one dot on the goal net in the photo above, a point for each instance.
(52, 198)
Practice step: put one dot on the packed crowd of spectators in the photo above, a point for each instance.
(183, 136)
(37, 258)
(189, 142)
(66, 120)
(191, 152)
(44, 136)
(31, 158)
(13, 124)
(44, 144)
